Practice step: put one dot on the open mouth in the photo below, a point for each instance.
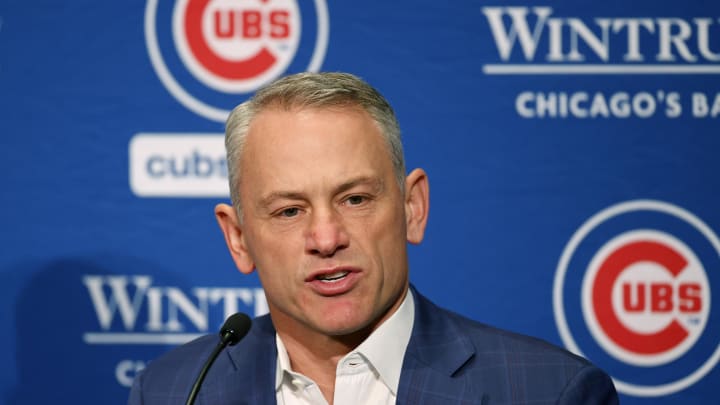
(332, 277)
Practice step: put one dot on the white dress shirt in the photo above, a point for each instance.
(370, 374)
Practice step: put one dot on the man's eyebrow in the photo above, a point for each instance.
(279, 195)
(375, 183)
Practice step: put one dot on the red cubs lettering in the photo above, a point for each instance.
(634, 303)
(662, 297)
(279, 25)
(251, 24)
(690, 300)
(224, 24)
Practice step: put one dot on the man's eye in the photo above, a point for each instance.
(289, 212)
(356, 199)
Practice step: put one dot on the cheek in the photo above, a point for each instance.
(272, 247)
(279, 256)
(389, 240)
(392, 227)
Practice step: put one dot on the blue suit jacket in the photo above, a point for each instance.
(449, 360)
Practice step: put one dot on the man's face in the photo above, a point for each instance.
(324, 219)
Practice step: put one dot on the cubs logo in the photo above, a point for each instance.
(633, 293)
(207, 52)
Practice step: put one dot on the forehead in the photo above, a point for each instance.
(311, 127)
(286, 145)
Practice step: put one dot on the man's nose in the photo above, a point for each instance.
(326, 234)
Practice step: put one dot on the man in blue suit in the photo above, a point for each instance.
(323, 210)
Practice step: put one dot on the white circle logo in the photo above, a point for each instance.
(231, 47)
(645, 298)
(236, 45)
(633, 293)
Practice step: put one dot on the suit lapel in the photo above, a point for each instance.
(250, 370)
(435, 355)
(434, 358)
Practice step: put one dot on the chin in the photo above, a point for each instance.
(345, 327)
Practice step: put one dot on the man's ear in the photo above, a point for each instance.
(417, 205)
(234, 237)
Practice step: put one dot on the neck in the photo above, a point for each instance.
(315, 354)
(311, 350)
(317, 357)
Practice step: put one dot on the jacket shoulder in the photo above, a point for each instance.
(492, 365)
(169, 378)
(528, 369)
(492, 341)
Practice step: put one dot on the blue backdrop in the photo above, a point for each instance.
(555, 134)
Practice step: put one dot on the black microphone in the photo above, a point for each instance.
(235, 328)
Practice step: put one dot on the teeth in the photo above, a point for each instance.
(333, 276)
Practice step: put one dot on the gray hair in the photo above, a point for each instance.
(311, 90)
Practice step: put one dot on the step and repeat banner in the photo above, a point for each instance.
(572, 149)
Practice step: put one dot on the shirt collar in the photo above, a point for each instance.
(283, 362)
(384, 349)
